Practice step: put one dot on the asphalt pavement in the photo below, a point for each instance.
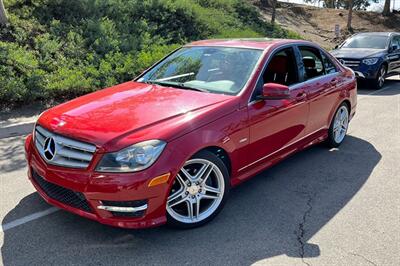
(319, 207)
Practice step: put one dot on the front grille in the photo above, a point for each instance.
(61, 194)
(62, 151)
(349, 62)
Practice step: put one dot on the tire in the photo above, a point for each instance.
(203, 179)
(379, 81)
(340, 121)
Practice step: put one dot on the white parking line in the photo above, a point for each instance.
(26, 219)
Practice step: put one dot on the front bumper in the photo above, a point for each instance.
(78, 188)
(364, 71)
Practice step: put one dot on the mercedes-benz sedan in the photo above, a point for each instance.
(168, 146)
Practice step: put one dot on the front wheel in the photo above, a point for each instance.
(199, 191)
(338, 128)
(380, 78)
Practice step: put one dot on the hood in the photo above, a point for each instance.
(116, 112)
(356, 53)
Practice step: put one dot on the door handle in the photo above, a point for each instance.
(301, 96)
(334, 82)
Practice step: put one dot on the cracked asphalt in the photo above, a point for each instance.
(318, 207)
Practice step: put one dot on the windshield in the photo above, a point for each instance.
(366, 41)
(211, 69)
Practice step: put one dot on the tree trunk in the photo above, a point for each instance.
(265, 3)
(273, 11)
(3, 14)
(330, 3)
(350, 17)
(386, 8)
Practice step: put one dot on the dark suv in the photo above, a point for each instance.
(373, 56)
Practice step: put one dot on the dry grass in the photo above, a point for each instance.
(318, 24)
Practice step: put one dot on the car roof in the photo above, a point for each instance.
(250, 43)
(378, 33)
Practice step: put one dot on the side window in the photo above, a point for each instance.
(396, 41)
(281, 69)
(312, 62)
(328, 65)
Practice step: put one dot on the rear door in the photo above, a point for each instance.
(321, 83)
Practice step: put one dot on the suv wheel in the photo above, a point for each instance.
(380, 79)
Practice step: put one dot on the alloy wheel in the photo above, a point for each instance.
(381, 78)
(197, 191)
(341, 124)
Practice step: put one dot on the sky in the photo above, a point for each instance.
(373, 7)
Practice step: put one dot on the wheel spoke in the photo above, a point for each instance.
(207, 196)
(186, 174)
(176, 195)
(180, 180)
(179, 201)
(206, 173)
(211, 189)
(190, 208)
(197, 213)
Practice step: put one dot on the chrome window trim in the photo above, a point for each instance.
(295, 86)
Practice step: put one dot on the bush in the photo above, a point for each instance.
(59, 49)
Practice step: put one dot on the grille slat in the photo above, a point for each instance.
(73, 154)
(40, 139)
(68, 152)
(349, 62)
(61, 194)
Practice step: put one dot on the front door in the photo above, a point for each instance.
(275, 124)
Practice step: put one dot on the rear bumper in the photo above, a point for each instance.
(96, 189)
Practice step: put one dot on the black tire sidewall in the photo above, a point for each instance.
(331, 139)
(220, 164)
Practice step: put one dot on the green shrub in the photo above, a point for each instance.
(59, 49)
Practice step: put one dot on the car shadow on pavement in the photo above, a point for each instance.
(391, 88)
(12, 154)
(275, 213)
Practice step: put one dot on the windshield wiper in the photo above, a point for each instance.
(179, 85)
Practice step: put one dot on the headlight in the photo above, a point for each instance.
(370, 61)
(134, 158)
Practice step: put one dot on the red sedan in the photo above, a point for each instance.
(168, 146)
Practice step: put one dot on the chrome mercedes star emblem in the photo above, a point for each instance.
(49, 148)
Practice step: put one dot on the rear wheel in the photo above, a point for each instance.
(199, 191)
(338, 128)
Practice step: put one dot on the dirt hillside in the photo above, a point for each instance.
(318, 24)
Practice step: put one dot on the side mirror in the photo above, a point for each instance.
(275, 91)
(394, 47)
